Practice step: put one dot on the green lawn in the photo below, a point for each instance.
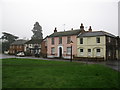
(29, 73)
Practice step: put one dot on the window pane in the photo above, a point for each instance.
(68, 50)
(109, 39)
(81, 50)
(68, 40)
(52, 50)
(60, 40)
(98, 50)
(81, 40)
(52, 41)
(98, 39)
(89, 50)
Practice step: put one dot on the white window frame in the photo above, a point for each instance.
(97, 39)
(80, 40)
(98, 53)
(89, 53)
(53, 50)
(109, 39)
(81, 53)
(68, 50)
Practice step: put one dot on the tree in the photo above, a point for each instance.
(37, 31)
(7, 39)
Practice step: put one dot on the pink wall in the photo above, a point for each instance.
(64, 44)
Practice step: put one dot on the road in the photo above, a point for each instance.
(114, 64)
(2, 56)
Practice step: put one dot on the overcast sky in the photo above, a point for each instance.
(18, 16)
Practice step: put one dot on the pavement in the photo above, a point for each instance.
(114, 64)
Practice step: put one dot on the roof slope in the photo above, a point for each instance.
(96, 33)
(19, 42)
(34, 41)
(65, 33)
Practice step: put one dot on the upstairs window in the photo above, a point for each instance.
(98, 39)
(109, 39)
(60, 40)
(52, 41)
(81, 40)
(68, 39)
(17, 46)
(116, 43)
(10, 46)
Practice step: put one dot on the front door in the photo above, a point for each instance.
(60, 52)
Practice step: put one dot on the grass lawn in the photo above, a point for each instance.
(29, 73)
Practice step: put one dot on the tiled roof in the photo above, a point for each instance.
(65, 33)
(34, 41)
(19, 42)
(96, 33)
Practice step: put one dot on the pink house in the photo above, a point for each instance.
(58, 43)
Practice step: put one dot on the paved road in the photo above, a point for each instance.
(2, 56)
(114, 64)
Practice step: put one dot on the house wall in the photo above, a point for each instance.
(16, 48)
(64, 46)
(44, 48)
(30, 48)
(111, 48)
(90, 43)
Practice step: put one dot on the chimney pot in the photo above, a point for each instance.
(55, 29)
(90, 29)
(82, 27)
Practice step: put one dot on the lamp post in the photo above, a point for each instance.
(71, 50)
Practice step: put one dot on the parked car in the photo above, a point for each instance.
(6, 52)
(20, 54)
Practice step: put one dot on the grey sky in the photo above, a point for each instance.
(19, 16)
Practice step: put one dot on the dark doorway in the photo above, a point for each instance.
(60, 52)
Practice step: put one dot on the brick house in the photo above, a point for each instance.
(17, 46)
(44, 47)
(58, 43)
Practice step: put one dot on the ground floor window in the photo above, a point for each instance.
(98, 52)
(13, 51)
(109, 53)
(89, 52)
(81, 51)
(68, 50)
(52, 50)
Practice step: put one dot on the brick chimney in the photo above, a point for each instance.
(71, 28)
(55, 30)
(90, 29)
(82, 28)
